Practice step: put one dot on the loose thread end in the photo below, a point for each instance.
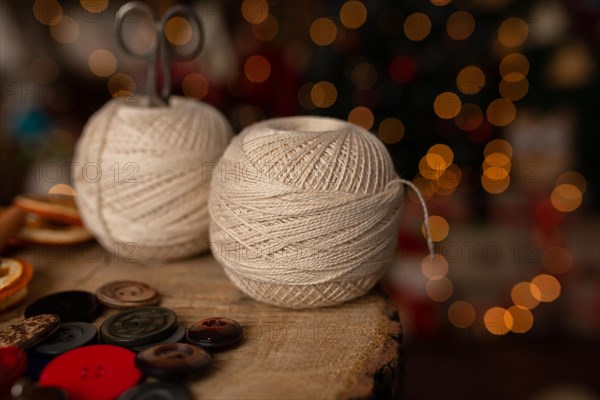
(430, 245)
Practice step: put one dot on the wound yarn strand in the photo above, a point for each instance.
(414, 187)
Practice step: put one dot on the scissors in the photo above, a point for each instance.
(162, 50)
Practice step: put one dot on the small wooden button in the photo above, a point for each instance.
(92, 372)
(13, 362)
(14, 277)
(156, 390)
(174, 360)
(215, 332)
(127, 294)
(138, 326)
(68, 336)
(70, 306)
(30, 331)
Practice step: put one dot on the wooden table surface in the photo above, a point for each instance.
(348, 351)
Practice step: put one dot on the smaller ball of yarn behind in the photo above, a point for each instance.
(141, 176)
(305, 211)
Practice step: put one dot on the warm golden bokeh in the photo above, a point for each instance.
(522, 294)
(94, 6)
(498, 160)
(444, 153)
(353, 14)
(460, 25)
(62, 189)
(498, 146)
(434, 267)
(362, 116)
(195, 85)
(447, 105)
(266, 30)
(121, 85)
(566, 197)
(495, 186)
(501, 112)
(66, 31)
(323, 94)
(513, 32)
(255, 11)
(470, 80)
(519, 319)
(439, 289)
(548, 286)
(257, 69)
(495, 322)
(323, 31)
(514, 90)
(427, 171)
(417, 26)
(450, 179)
(573, 178)
(47, 12)
(178, 31)
(461, 314)
(438, 227)
(557, 260)
(391, 130)
(514, 63)
(102, 63)
(469, 118)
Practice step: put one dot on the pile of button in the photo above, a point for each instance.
(57, 344)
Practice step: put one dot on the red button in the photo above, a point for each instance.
(13, 362)
(99, 372)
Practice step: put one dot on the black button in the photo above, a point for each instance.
(176, 336)
(72, 306)
(156, 391)
(68, 336)
(173, 361)
(215, 332)
(138, 326)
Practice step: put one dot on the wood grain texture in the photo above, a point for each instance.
(344, 352)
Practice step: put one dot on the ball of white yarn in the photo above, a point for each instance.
(141, 178)
(305, 211)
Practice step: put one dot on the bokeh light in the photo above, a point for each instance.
(460, 25)
(573, 178)
(323, 94)
(461, 314)
(495, 186)
(513, 32)
(470, 80)
(255, 11)
(439, 289)
(417, 26)
(257, 69)
(353, 14)
(495, 322)
(438, 227)
(102, 63)
(266, 30)
(498, 146)
(434, 267)
(522, 294)
(178, 31)
(62, 189)
(391, 130)
(514, 90)
(443, 153)
(548, 288)
(121, 85)
(447, 105)
(323, 31)
(501, 112)
(566, 197)
(47, 12)
(469, 118)
(497, 160)
(519, 319)
(94, 6)
(362, 116)
(514, 63)
(66, 31)
(195, 86)
(557, 260)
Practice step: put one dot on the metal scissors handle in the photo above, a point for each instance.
(161, 50)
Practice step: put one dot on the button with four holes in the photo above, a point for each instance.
(127, 294)
(68, 336)
(99, 372)
(215, 332)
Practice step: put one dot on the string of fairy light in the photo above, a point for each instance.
(439, 176)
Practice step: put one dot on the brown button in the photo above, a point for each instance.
(30, 331)
(172, 360)
(215, 332)
(127, 294)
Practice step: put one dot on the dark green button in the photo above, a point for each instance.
(138, 326)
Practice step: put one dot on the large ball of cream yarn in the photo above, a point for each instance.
(141, 177)
(305, 211)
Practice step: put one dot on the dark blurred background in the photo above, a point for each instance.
(491, 107)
